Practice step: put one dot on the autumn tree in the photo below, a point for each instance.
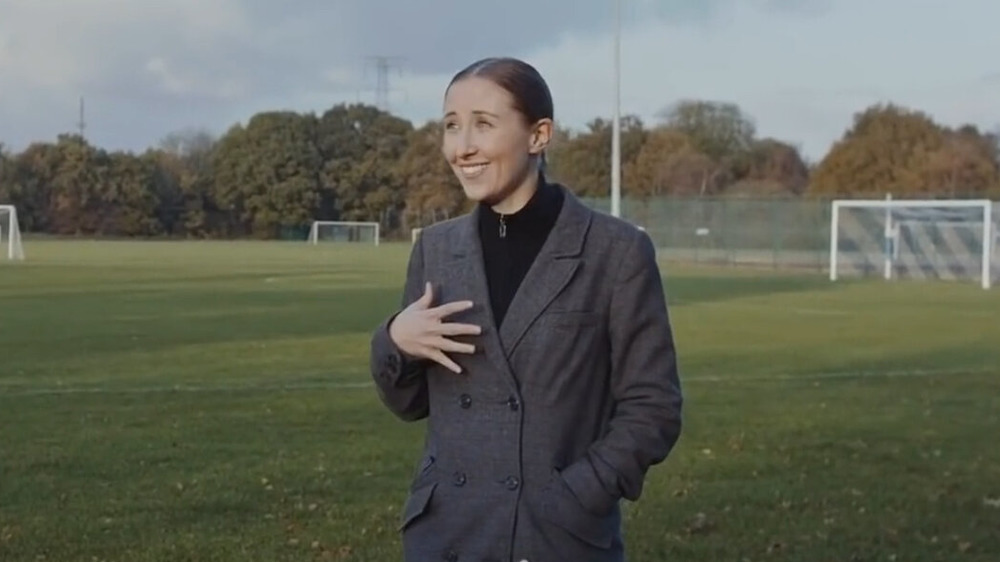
(772, 167)
(129, 197)
(964, 164)
(654, 171)
(275, 174)
(267, 174)
(71, 178)
(891, 149)
(719, 130)
(361, 146)
(721, 139)
(431, 192)
(582, 161)
(6, 173)
(188, 206)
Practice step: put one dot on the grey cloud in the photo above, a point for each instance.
(438, 36)
(149, 72)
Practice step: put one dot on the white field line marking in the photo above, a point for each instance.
(778, 309)
(55, 391)
(841, 375)
(761, 307)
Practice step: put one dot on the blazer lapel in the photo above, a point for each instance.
(551, 271)
(470, 270)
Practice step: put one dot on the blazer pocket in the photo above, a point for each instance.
(561, 508)
(571, 328)
(417, 504)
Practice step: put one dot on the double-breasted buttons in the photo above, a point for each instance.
(465, 401)
(459, 479)
(513, 404)
(512, 482)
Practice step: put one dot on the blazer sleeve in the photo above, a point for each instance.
(646, 422)
(401, 380)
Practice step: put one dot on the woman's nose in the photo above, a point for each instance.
(466, 145)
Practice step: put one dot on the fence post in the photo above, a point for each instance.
(774, 234)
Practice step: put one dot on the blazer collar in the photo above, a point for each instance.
(565, 240)
(552, 270)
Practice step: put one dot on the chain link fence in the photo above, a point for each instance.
(776, 233)
(779, 233)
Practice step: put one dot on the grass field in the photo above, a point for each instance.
(209, 401)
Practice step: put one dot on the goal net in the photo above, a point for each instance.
(344, 231)
(954, 240)
(10, 234)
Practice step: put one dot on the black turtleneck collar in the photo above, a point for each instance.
(512, 242)
(533, 220)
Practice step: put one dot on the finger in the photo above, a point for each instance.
(443, 359)
(445, 344)
(450, 308)
(455, 329)
(427, 298)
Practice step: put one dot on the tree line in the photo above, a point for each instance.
(273, 176)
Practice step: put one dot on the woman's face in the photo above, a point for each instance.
(488, 145)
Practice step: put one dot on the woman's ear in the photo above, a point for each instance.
(540, 136)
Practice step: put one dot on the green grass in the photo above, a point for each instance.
(201, 401)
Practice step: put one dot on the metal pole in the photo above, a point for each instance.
(616, 123)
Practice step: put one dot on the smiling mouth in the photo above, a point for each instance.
(471, 171)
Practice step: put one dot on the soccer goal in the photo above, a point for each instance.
(950, 239)
(10, 233)
(344, 231)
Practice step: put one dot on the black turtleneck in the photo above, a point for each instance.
(512, 242)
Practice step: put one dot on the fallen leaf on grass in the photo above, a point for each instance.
(700, 524)
(7, 533)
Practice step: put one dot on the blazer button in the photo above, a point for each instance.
(459, 479)
(513, 482)
(513, 403)
(465, 401)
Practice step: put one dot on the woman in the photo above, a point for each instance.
(535, 341)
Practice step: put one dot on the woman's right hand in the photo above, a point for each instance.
(419, 331)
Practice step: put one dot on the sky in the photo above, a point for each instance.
(799, 68)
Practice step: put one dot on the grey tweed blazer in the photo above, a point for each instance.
(560, 413)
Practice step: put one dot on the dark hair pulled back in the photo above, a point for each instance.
(532, 98)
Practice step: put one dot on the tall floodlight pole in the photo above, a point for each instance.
(616, 164)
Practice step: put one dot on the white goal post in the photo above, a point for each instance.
(344, 231)
(947, 239)
(10, 233)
